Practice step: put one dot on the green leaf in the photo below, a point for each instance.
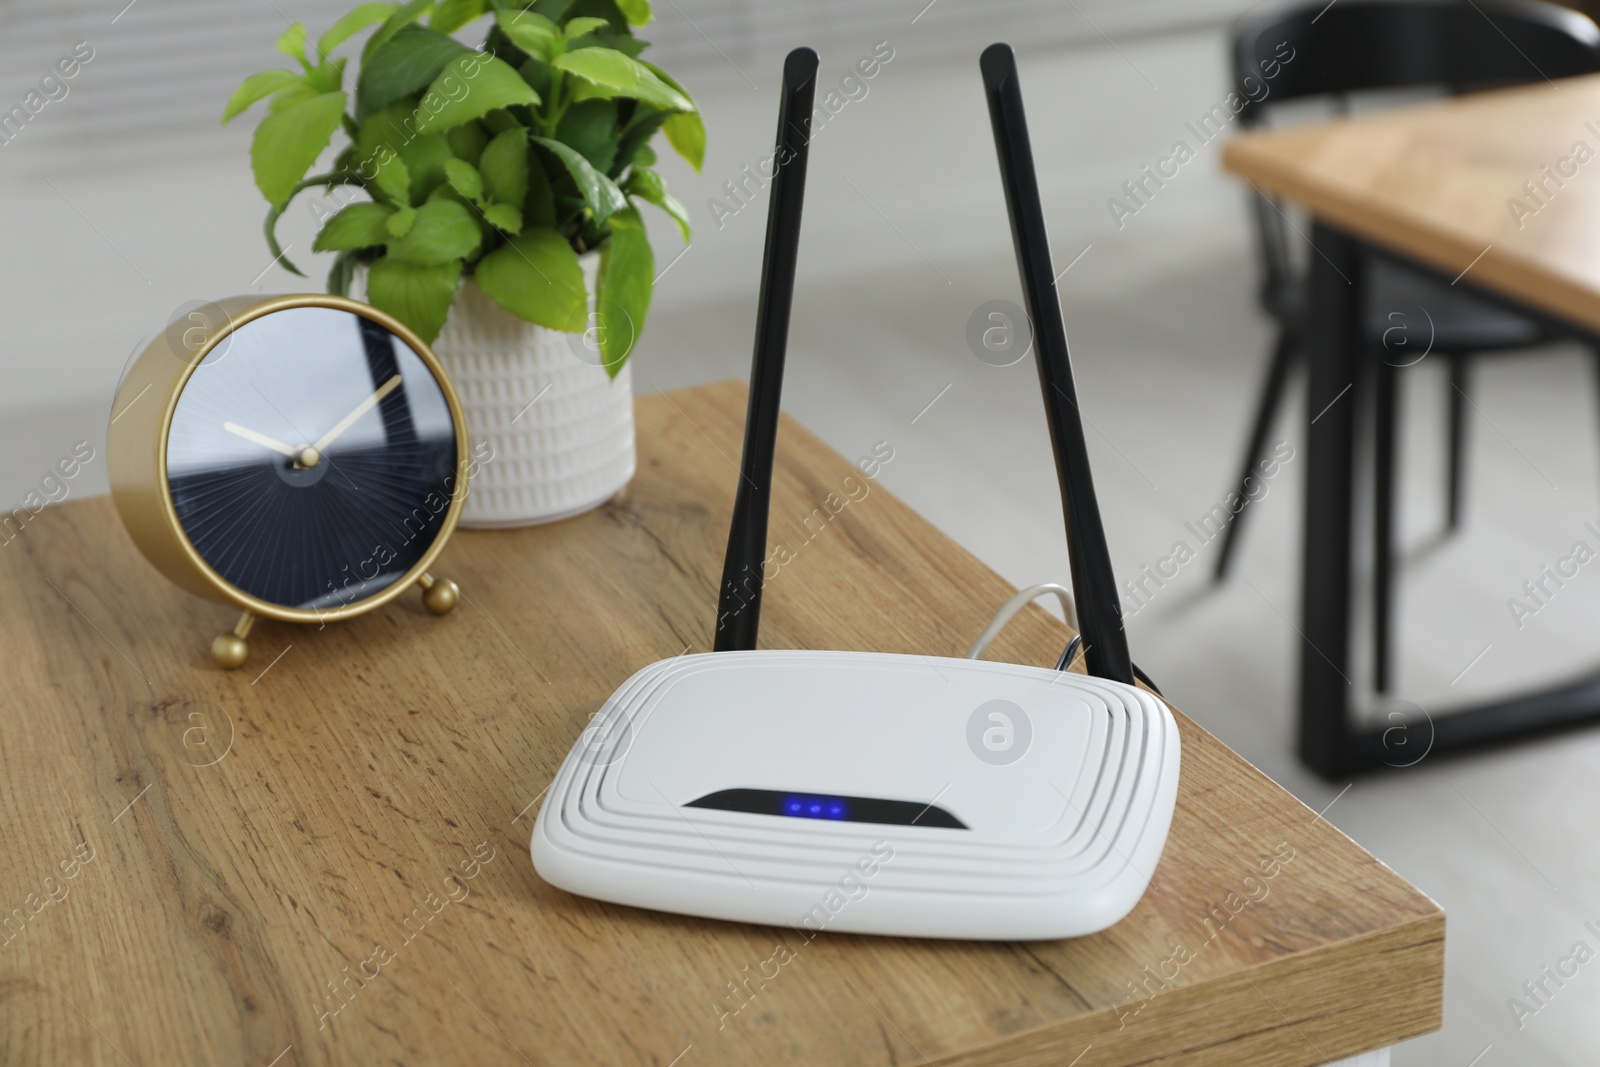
(397, 22)
(533, 33)
(633, 148)
(293, 95)
(464, 178)
(342, 273)
(489, 83)
(399, 224)
(499, 121)
(391, 177)
(647, 185)
(600, 194)
(443, 231)
(352, 23)
(357, 226)
(419, 296)
(637, 12)
(378, 131)
(468, 141)
(504, 217)
(390, 132)
(621, 42)
(627, 275)
(536, 277)
(623, 76)
(258, 87)
(426, 158)
(580, 26)
(404, 65)
(328, 76)
(554, 10)
(504, 166)
(293, 41)
(686, 133)
(446, 191)
(628, 46)
(583, 89)
(288, 142)
(590, 127)
(539, 208)
(451, 15)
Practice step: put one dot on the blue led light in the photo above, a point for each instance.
(815, 807)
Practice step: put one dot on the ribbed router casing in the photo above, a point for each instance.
(1060, 841)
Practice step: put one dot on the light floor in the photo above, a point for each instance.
(904, 238)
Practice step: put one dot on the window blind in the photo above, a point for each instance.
(171, 63)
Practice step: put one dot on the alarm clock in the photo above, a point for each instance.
(302, 458)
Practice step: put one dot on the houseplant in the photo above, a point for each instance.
(488, 199)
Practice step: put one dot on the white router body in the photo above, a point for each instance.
(865, 792)
(1016, 802)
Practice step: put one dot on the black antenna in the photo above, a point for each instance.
(739, 607)
(1093, 583)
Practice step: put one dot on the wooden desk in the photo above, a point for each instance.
(1433, 183)
(259, 838)
(1442, 187)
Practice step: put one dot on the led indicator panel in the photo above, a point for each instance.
(794, 805)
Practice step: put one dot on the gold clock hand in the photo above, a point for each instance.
(360, 409)
(261, 439)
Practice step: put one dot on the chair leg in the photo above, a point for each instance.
(1385, 447)
(1596, 353)
(1458, 407)
(1283, 355)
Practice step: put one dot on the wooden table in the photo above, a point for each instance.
(1440, 186)
(322, 858)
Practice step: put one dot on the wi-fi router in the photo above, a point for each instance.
(873, 793)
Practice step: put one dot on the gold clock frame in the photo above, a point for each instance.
(136, 460)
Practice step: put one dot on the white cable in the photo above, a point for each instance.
(1009, 609)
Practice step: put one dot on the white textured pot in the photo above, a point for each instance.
(560, 428)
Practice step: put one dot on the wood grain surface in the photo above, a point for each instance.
(323, 857)
(1441, 183)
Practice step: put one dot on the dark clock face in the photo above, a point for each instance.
(312, 458)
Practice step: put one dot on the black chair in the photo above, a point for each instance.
(1352, 46)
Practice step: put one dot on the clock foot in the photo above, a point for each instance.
(230, 648)
(439, 595)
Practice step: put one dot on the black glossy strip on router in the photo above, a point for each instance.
(739, 605)
(828, 808)
(1093, 581)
